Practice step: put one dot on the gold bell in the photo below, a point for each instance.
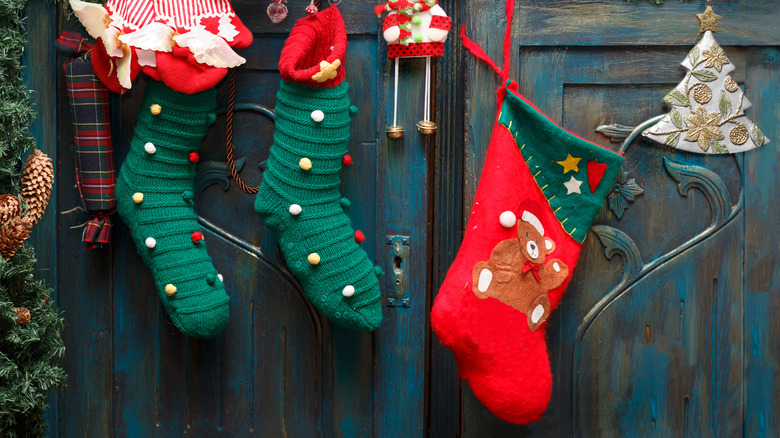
(394, 132)
(426, 127)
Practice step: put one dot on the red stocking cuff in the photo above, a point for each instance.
(314, 52)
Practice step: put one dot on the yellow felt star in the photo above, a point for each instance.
(328, 71)
(570, 163)
(708, 20)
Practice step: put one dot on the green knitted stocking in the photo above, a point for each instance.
(300, 200)
(155, 199)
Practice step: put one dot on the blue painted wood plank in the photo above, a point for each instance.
(40, 64)
(673, 363)
(621, 23)
(136, 311)
(444, 398)
(761, 257)
(402, 209)
(353, 352)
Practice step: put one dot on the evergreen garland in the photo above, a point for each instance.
(29, 351)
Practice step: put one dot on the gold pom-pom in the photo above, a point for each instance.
(730, 84)
(37, 183)
(702, 93)
(22, 315)
(739, 134)
(13, 234)
(10, 207)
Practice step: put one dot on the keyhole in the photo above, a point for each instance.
(397, 264)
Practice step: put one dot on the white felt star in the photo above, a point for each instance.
(573, 186)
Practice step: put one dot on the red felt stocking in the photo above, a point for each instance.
(539, 191)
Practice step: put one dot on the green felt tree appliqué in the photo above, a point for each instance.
(30, 323)
(707, 113)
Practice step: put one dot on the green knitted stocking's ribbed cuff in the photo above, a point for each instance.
(311, 124)
(159, 93)
(172, 118)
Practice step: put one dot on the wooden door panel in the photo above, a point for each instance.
(657, 351)
(279, 368)
(674, 334)
(664, 355)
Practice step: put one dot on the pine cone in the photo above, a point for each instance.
(9, 208)
(37, 182)
(23, 315)
(13, 234)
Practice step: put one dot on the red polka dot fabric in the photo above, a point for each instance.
(415, 50)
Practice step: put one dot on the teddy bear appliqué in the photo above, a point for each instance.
(518, 275)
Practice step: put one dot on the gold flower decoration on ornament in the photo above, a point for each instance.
(703, 127)
(739, 134)
(715, 57)
(328, 71)
(730, 85)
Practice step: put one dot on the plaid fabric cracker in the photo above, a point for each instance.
(95, 170)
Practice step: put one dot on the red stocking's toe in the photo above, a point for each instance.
(184, 76)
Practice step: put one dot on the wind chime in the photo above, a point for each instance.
(414, 29)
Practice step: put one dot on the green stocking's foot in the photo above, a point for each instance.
(155, 199)
(319, 246)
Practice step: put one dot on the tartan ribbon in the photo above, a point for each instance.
(70, 43)
(97, 231)
(534, 268)
(94, 152)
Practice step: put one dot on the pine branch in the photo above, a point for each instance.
(30, 352)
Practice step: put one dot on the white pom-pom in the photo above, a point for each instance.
(149, 148)
(221, 278)
(507, 219)
(150, 242)
(391, 34)
(295, 209)
(317, 116)
(348, 291)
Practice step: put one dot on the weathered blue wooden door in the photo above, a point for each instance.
(676, 336)
(280, 368)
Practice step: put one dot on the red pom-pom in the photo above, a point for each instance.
(359, 236)
(347, 160)
(197, 237)
(194, 157)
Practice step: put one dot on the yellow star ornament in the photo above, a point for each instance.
(570, 163)
(708, 20)
(328, 71)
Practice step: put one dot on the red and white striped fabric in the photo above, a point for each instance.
(179, 14)
(152, 35)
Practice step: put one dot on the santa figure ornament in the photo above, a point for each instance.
(414, 29)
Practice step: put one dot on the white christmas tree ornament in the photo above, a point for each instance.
(708, 107)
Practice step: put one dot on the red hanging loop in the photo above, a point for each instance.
(477, 51)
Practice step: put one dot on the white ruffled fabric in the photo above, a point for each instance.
(155, 26)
